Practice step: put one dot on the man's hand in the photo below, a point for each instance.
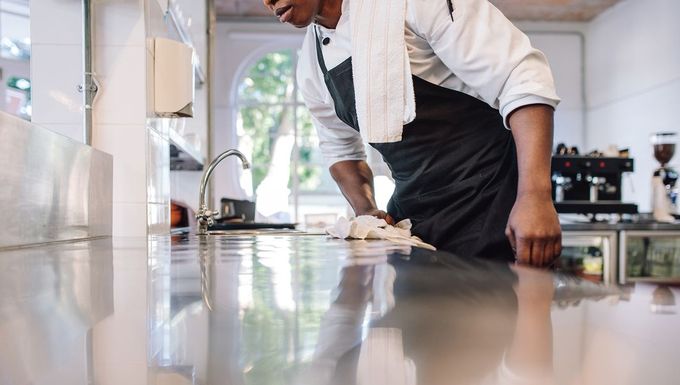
(534, 230)
(379, 214)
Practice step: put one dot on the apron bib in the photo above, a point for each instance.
(455, 169)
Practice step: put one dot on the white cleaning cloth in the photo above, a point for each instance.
(385, 99)
(370, 227)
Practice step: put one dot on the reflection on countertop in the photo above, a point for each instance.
(273, 309)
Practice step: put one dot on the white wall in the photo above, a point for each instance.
(633, 83)
(237, 46)
(563, 45)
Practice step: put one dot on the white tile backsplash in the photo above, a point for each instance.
(158, 168)
(119, 22)
(158, 218)
(56, 72)
(129, 219)
(56, 22)
(128, 145)
(121, 71)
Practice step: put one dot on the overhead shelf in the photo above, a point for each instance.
(184, 156)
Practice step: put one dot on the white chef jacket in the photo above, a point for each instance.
(475, 50)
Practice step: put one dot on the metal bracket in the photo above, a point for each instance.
(92, 87)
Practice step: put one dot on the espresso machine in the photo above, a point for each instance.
(664, 190)
(590, 184)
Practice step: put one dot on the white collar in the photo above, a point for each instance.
(344, 18)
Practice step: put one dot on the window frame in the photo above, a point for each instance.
(295, 103)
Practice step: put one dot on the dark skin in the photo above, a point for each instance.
(533, 228)
(305, 12)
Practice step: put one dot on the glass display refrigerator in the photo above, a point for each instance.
(649, 256)
(591, 255)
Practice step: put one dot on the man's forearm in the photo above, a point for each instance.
(355, 179)
(533, 227)
(532, 128)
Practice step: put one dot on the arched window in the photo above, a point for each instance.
(289, 178)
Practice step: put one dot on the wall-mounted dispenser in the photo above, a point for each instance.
(173, 79)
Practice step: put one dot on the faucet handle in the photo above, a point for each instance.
(206, 217)
(211, 217)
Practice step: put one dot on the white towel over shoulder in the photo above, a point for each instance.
(385, 99)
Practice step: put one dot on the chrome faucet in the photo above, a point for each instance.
(206, 217)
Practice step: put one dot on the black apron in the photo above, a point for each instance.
(455, 169)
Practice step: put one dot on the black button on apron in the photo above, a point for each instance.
(455, 169)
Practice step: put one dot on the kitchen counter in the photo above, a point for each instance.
(650, 226)
(275, 309)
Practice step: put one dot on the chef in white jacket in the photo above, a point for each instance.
(471, 162)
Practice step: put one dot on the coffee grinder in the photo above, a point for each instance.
(664, 192)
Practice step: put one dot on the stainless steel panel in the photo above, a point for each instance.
(51, 187)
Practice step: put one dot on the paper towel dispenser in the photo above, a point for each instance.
(173, 78)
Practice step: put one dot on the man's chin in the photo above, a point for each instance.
(301, 23)
(300, 26)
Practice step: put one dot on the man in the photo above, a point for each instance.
(469, 185)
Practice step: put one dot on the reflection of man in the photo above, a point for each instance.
(471, 186)
(530, 354)
(449, 324)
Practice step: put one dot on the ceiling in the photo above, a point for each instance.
(535, 10)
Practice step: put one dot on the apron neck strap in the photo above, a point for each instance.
(319, 54)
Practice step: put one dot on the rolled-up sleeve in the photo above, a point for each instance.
(337, 140)
(486, 52)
